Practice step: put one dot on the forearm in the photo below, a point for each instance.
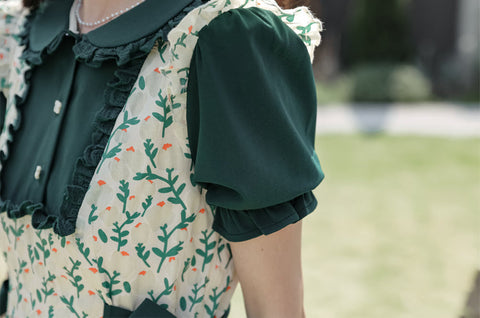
(270, 273)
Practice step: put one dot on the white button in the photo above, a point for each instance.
(38, 171)
(57, 107)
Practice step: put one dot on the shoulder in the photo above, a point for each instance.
(262, 23)
(246, 25)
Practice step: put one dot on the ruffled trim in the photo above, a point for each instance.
(130, 59)
(92, 55)
(37, 57)
(116, 95)
(242, 225)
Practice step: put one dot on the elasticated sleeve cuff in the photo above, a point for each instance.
(237, 226)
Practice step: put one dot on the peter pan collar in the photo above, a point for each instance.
(51, 22)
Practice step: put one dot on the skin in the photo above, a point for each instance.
(268, 267)
(270, 272)
(93, 10)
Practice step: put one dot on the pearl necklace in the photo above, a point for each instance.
(105, 19)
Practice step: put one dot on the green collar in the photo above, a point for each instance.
(52, 21)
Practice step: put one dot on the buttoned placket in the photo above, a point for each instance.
(59, 105)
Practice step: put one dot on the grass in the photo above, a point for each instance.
(397, 230)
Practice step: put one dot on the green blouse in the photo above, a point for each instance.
(251, 111)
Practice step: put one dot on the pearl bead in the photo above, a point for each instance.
(105, 19)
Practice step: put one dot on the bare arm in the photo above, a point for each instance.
(270, 273)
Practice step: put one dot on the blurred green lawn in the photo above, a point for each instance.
(397, 229)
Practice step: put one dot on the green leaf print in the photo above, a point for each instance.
(39, 297)
(31, 255)
(127, 122)
(167, 291)
(288, 17)
(141, 83)
(21, 267)
(75, 279)
(33, 301)
(102, 236)
(183, 304)
(140, 248)
(244, 4)
(207, 258)
(166, 119)
(69, 303)
(50, 312)
(84, 252)
(174, 105)
(183, 80)
(125, 193)
(17, 232)
(186, 266)
(46, 291)
(165, 72)
(305, 30)
(120, 238)
(42, 246)
(180, 42)
(162, 49)
(196, 298)
(214, 299)
(6, 229)
(168, 252)
(150, 152)
(91, 217)
(127, 287)
(121, 233)
(112, 279)
(147, 204)
(176, 192)
(110, 153)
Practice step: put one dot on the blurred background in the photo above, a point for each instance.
(397, 230)
(398, 50)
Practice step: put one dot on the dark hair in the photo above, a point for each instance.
(32, 3)
(287, 4)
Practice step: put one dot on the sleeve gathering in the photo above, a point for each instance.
(251, 113)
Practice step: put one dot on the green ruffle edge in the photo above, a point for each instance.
(129, 58)
(242, 225)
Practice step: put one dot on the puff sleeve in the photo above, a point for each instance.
(251, 113)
